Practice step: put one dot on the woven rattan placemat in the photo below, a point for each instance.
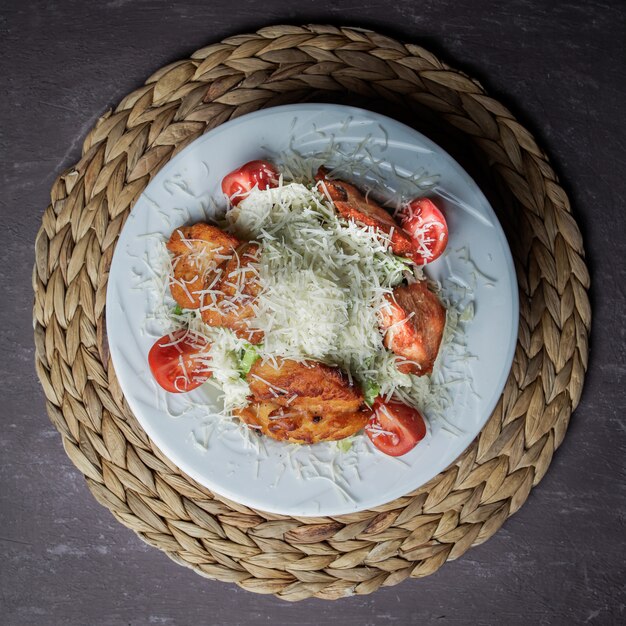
(322, 557)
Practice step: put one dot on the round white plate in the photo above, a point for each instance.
(320, 479)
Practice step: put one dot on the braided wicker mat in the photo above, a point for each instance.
(322, 557)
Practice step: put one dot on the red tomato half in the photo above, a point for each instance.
(261, 174)
(179, 362)
(395, 428)
(427, 227)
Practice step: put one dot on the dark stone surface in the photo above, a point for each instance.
(561, 67)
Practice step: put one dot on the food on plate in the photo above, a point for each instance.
(413, 321)
(308, 307)
(303, 402)
(180, 361)
(427, 228)
(198, 252)
(307, 385)
(230, 301)
(395, 428)
(259, 174)
(297, 426)
(352, 204)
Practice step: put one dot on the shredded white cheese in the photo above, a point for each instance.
(323, 279)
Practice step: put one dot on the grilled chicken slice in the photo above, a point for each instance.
(310, 385)
(303, 402)
(352, 204)
(199, 251)
(231, 302)
(413, 323)
(295, 425)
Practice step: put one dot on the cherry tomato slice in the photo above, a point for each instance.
(179, 362)
(427, 227)
(261, 174)
(395, 428)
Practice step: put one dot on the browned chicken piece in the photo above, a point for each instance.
(298, 426)
(303, 402)
(231, 301)
(309, 385)
(199, 251)
(352, 204)
(413, 323)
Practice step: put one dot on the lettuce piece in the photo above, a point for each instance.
(247, 358)
(371, 390)
(343, 445)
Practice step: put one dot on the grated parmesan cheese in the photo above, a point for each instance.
(323, 279)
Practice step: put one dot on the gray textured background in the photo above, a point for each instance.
(562, 69)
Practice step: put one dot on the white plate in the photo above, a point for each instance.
(314, 480)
